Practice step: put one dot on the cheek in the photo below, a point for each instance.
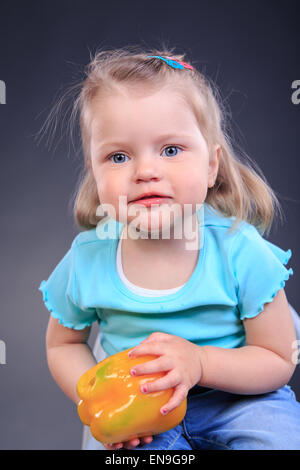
(104, 191)
(192, 180)
(109, 192)
(104, 183)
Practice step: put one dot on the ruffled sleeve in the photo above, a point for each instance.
(259, 270)
(59, 294)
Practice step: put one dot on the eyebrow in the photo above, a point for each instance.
(159, 139)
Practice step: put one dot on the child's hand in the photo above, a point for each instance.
(129, 444)
(178, 356)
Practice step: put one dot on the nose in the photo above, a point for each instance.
(147, 168)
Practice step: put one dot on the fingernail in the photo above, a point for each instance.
(144, 389)
(133, 372)
(164, 411)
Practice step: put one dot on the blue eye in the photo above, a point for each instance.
(118, 155)
(173, 152)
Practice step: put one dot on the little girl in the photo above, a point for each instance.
(177, 267)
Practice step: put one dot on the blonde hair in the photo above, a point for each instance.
(240, 189)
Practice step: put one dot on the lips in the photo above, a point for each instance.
(149, 201)
(149, 196)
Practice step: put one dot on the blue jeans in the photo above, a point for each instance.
(218, 420)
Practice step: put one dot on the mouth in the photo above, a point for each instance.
(149, 196)
(149, 199)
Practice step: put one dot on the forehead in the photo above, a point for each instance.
(141, 110)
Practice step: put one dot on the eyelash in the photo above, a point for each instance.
(121, 153)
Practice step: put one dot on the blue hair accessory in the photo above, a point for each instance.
(173, 62)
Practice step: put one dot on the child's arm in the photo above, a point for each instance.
(264, 364)
(68, 356)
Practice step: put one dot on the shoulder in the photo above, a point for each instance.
(92, 249)
(102, 235)
(223, 229)
(241, 243)
(214, 218)
(250, 251)
(85, 237)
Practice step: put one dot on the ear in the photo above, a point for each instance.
(213, 166)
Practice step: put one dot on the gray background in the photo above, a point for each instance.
(251, 50)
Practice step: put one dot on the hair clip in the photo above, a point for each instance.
(176, 64)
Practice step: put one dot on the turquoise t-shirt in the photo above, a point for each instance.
(235, 275)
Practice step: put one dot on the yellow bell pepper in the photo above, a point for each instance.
(114, 407)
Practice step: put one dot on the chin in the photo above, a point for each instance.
(152, 227)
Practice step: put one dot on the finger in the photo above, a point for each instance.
(157, 335)
(114, 446)
(151, 347)
(175, 400)
(170, 380)
(146, 439)
(163, 363)
(132, 443)
(108, 446)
